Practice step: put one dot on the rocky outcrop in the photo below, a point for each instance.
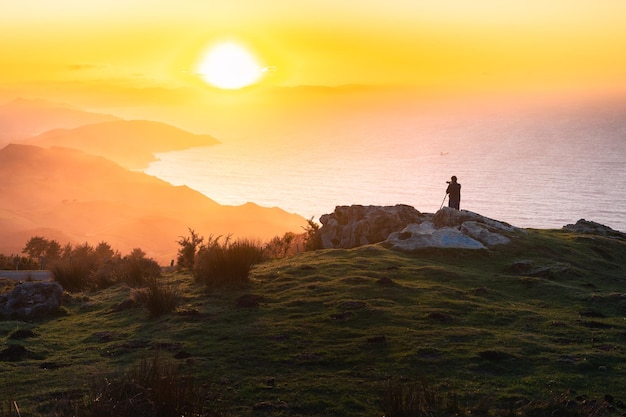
(593, 228)
(451, 228)
(31, 300)
(404, 228)
(352, 226)
(447, 217)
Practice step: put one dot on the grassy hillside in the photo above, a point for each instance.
(536, 327)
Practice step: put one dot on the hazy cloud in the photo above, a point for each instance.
(85, 67)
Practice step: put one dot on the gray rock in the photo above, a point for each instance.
(593, 228)
(483, 233)
(450, 217)
(404, 228)
(356, 225)
(425, 235)
(31, 299)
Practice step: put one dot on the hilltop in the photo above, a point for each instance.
(531, 328)
(74, 197)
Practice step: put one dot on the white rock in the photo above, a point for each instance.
(425, 235)
(481, 232)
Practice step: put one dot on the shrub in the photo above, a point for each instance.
(17, 262)
(154, 387)
(188, 248)
(228, 263)
(73, 276)
(137, 271)
(415, 399)
(159, 298)
(87, 268)
(312, 237)
(279, 247)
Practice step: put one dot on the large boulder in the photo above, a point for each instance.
(483, 233)
(357, 225)
(425, 235)
(31, 300)
(448, 217)
(452, 228)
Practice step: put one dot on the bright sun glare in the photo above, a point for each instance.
(229, 65)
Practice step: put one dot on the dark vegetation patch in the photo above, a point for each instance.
(344, 315)
(592, 313)
(106, 336)
(22, 334)
(440, 317)
(495, 355)
(593, 324)
(377, 339)
(249, 301)
(52, 365)
(17, 352)
(386, 282)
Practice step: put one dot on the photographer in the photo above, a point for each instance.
(454, 192)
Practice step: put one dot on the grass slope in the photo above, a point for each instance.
(501, 329)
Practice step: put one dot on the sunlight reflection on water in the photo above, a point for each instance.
(530, 174)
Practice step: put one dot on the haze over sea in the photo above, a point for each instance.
(536, 167)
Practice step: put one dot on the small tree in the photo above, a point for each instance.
(312, 238)
(66, 252)
(104, 251)
(188, 248)
(53, 252)
(36, 247)
(278, 247)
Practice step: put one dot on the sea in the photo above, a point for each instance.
(533, 166)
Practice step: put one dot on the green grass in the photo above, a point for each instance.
(521, 326)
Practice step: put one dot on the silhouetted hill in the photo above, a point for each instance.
(131, 143)
(22, 118)
(90, 198)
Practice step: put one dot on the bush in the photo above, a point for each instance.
(188, 248)
(228, 263)
(415, 399)
(73, 276)
(154, 387)
(87, 268)
(312, 236)
(159, 298)
(15, 262)
(136, 271)
(279, 247)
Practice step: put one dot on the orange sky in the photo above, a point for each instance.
(491, 45)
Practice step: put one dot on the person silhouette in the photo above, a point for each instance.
(454, 192)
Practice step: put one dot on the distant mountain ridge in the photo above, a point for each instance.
(22, 118)
(131, 143)
(61, 192)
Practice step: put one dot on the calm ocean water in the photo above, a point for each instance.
(542, 169)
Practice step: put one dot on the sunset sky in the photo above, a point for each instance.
(490, 45)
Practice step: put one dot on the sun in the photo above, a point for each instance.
(230, 66)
